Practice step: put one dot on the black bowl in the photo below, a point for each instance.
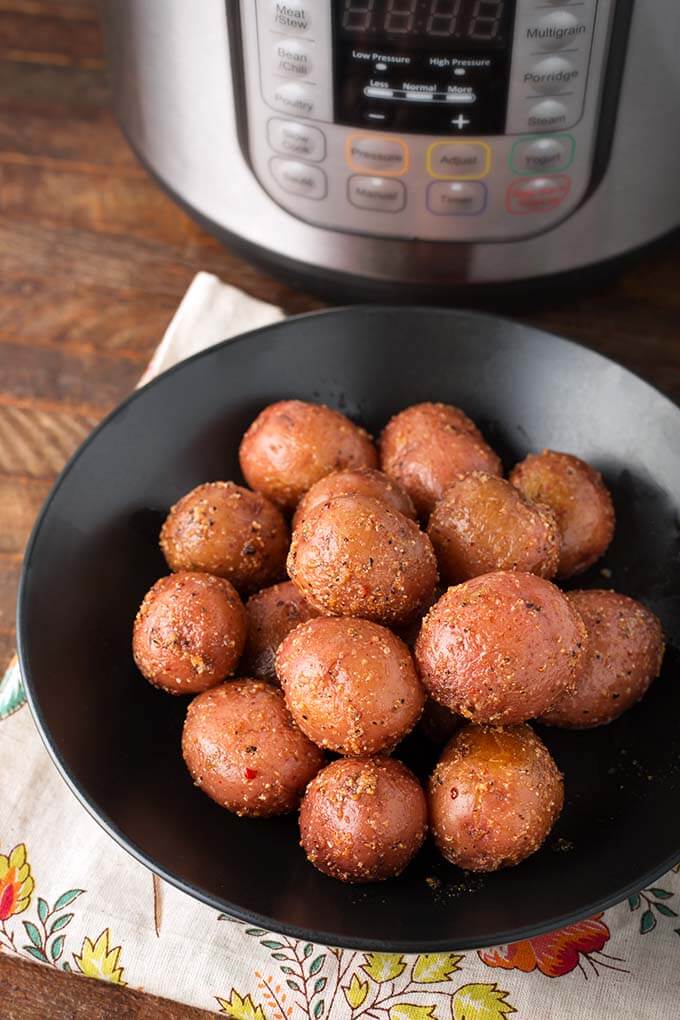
(94, 553)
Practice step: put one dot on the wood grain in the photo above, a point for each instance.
(93, 261)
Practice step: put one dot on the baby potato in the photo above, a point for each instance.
(493, 797)
(363, 819)
(243, 749)
(227, 530)
(272, 614)
(576, 494)
(356, 482)
(483, 524)
(427, 446)
(189, 632)
(356, 556)
(350, 685)
(292, 444)
(624, 654)
(501, 648)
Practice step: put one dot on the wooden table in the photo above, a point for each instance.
(93, 261)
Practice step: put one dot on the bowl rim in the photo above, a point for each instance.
(398, 945)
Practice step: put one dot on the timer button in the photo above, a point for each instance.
(537, 194)
(456, 198)
(385, 156)
(378, 194)
(295, 17)
(552, 75)
(292, 58)
(458, 160)
(542, 155)
(300, 140)
(555, 30)
(299, 178)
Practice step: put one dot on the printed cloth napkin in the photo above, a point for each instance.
(71, 898)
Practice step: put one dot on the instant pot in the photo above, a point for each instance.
(409, 147)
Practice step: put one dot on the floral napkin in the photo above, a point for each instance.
(71, 898)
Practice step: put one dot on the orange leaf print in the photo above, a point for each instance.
(554, 954)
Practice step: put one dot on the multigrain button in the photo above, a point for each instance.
(295, 98)
(456, 198)
(555, 30)
(458, 160)
(295, 17)
(537, 194)
(292, 58)
(292, 139)
(548, 115)
(542, 155)
(379, 194)
(551, 75)
(299, 178)
(378, 154)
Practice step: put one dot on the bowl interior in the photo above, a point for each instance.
(94, 553)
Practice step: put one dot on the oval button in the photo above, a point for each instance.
(555, 30)
(542, 155)
(293, 139)
(295, 17)
(456, 198)
(379, 154)
(551, 75)
(379, 194)
(548, 115)
(458, 160)
(537, 194)
(299, 178)
(292, 58)
(296, 98)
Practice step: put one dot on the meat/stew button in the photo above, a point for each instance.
(537, 194)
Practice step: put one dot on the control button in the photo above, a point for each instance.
(293, 139)
(294, 17)
(299, 178)
(378, 194)
(295, 97)
(555, 30)
(292, 58)
(548, 115)
(551, 75)
(386, 156)
(456, 198)
(542, 155)
(537, 194)
(458, 160)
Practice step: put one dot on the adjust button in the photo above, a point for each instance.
(542, 155)
(537, 194)
(293, 139)
(552, 75)
(292, 58)
(378, 194)
(294, 17)
(456, 198)
(295, 98)
(555, 30)
(458, 160)
(299, 178)
(379, 154)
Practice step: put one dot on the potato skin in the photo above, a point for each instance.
(292, 444)
(501, 648)
(243, 749)
(576, 494)
(189, 632)
(427, 446)
(356, 482)
(224, 529)
(363, 819)
(350, 685)
(272, 614)
(623, 657)
(493, 797)
(483, 524)
(355, 556)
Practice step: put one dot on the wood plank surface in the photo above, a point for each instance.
(93, 261)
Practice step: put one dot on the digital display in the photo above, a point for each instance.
(426, 22)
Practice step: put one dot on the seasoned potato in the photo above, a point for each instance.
(189, 632)
(427, 446)
(292, 444)
(576, 494)
(483, 524)
(356, 482)
(501, 648)
(350, 685)
(243, 749)
(363, 819)
(227, 530)
(493, 797)
(272, 614)
(355, 556)
(624, 653)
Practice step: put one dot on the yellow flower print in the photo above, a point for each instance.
(16, 883)
(355, 992)
(240, 1009)
(481, 1002)
(96, 960)
(431, 968)
(383, 967)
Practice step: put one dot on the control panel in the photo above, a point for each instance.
(452, 120)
